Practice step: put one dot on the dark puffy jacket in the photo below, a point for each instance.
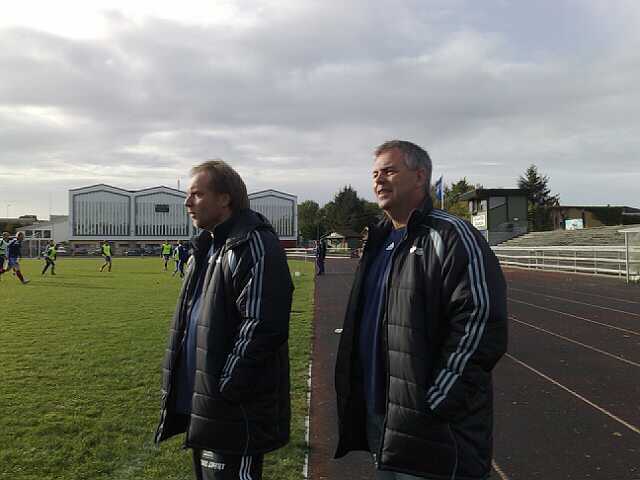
(240, 404)
(444, 328)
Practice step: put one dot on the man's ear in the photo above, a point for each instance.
(225, 200)
(421, 174)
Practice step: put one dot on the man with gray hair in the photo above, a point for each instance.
(225, 377)
(425, 325)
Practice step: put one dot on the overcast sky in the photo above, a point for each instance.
(296, 94)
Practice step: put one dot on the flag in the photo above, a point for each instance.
(439, 189)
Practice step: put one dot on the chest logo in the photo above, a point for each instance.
(416, 250)
(390, 246)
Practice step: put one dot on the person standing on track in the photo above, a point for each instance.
(321, 254)
(425, 325)
(226, 368)
(50, 256)
(106, 253)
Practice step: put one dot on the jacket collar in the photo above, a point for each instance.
(231, 232)
(415, 218)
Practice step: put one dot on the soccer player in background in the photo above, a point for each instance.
(106, 253)
(4, 243)
(50, 255)
(166, 253)
(176, 259)
(14, 255)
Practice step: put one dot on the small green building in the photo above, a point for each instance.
(499, 213)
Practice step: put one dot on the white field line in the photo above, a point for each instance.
(576, 301)
(305, 467)
(630, 332)
(577, 292)
(501, 474)
(631, 427)
(578, 343)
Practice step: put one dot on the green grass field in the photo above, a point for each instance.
(80, 355)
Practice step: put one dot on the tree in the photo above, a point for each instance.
(348, 211)
(539, 197)
(310, 220)
(452, 194)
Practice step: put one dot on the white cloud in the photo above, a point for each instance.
(297, 94)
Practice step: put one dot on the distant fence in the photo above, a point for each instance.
(610, 260)
(600, 260)
(309, 253)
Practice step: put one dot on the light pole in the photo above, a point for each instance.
(8, 205)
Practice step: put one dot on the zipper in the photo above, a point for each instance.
(386, 338)
(455, 449)
(210, 263)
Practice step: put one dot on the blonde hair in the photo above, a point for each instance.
(224, 179)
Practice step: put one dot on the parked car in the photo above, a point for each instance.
(152, 251)
(61, 251)
(134, 252)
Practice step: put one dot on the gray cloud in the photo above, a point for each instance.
(298, 98)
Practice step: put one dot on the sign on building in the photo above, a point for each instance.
(479, 221)
(573, 224)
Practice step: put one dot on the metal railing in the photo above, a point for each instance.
(309, 253)
(610, 260)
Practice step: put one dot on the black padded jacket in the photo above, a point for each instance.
(444, 328)
(240, 404)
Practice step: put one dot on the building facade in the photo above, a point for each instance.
(128, 219)
(281, 209)
(38, 234)
(498, 213)
(143, 219)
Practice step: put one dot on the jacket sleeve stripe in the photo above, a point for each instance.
(252, 310)
(458, 359)
(476, 323)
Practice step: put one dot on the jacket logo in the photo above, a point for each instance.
(416, 250)
(390, 246)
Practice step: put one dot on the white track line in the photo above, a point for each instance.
(499, 471)
(307, 422)
(630, 332)
(631, 427)
(577, 292)
(578, 343)
(575, 301)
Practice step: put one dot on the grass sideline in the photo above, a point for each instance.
(81, 355)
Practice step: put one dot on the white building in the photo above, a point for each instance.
(145, 218)
(281, 209)
(127, 218)
(38, 234)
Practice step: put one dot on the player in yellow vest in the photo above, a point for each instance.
(166, 253)
(50, 255)
(106, 253)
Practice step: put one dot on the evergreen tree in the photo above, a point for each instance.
(348, 211)
(539, 197)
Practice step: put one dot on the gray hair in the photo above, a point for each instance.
(415, 157)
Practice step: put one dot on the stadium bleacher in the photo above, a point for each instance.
(596, 236)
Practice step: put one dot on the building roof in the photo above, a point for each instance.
(484, 193)
(275, 193)
(158, 187)
(586, 207)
